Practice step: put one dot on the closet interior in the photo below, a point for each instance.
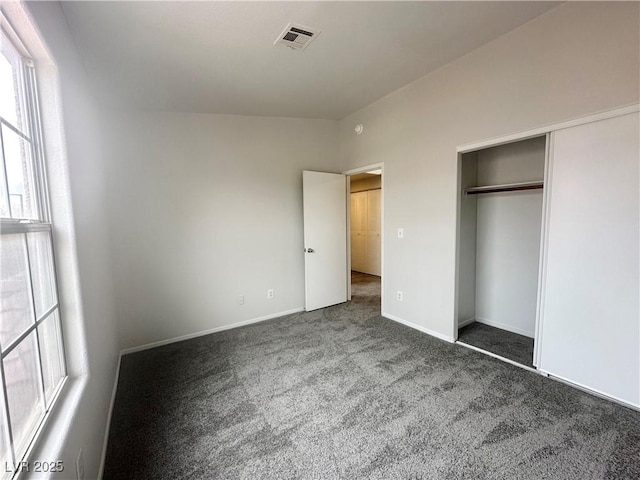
(500, 221)
(365, 225)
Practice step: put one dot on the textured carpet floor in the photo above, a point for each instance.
(367, 288)
(495, 340)
(339, 393)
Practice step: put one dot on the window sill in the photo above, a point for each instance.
(49, 441)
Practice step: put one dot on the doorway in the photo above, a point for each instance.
(365, 238)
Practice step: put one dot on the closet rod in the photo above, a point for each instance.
(511, 187)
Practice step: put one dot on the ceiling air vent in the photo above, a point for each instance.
(296, 37)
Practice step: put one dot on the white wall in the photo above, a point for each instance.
(206, 208)
(521, 161)
(576, 59)
(508, 237)
(82, 253)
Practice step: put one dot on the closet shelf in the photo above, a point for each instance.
(507, 187)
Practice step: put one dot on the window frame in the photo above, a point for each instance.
(32, 121)
(33, 126)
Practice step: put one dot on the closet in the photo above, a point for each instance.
(365, 230)
(548, 271)
(500, 231)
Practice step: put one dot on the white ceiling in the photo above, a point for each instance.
(219, 57)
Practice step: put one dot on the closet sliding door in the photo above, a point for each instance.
(374, 218)
(359, 231)
(590, 331)
(365, 232)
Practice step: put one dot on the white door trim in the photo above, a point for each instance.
(348, 173)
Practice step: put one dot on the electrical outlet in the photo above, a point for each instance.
(80, 466)
(270, 294)
(399, 296)
(401, 233)
(241, 300)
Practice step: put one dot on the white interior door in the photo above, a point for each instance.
(325, 239)
(590, 330)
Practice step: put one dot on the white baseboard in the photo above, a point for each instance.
(160, 343)
(466, 322)
(418, 327)
(105, 442)
(508, 328)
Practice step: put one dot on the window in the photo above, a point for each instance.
(32, 369)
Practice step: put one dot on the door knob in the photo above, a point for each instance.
(310, 250)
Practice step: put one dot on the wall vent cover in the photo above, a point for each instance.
(297, 37)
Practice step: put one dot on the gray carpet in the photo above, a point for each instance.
(367, 288)
(344, 393)
(495, 340)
